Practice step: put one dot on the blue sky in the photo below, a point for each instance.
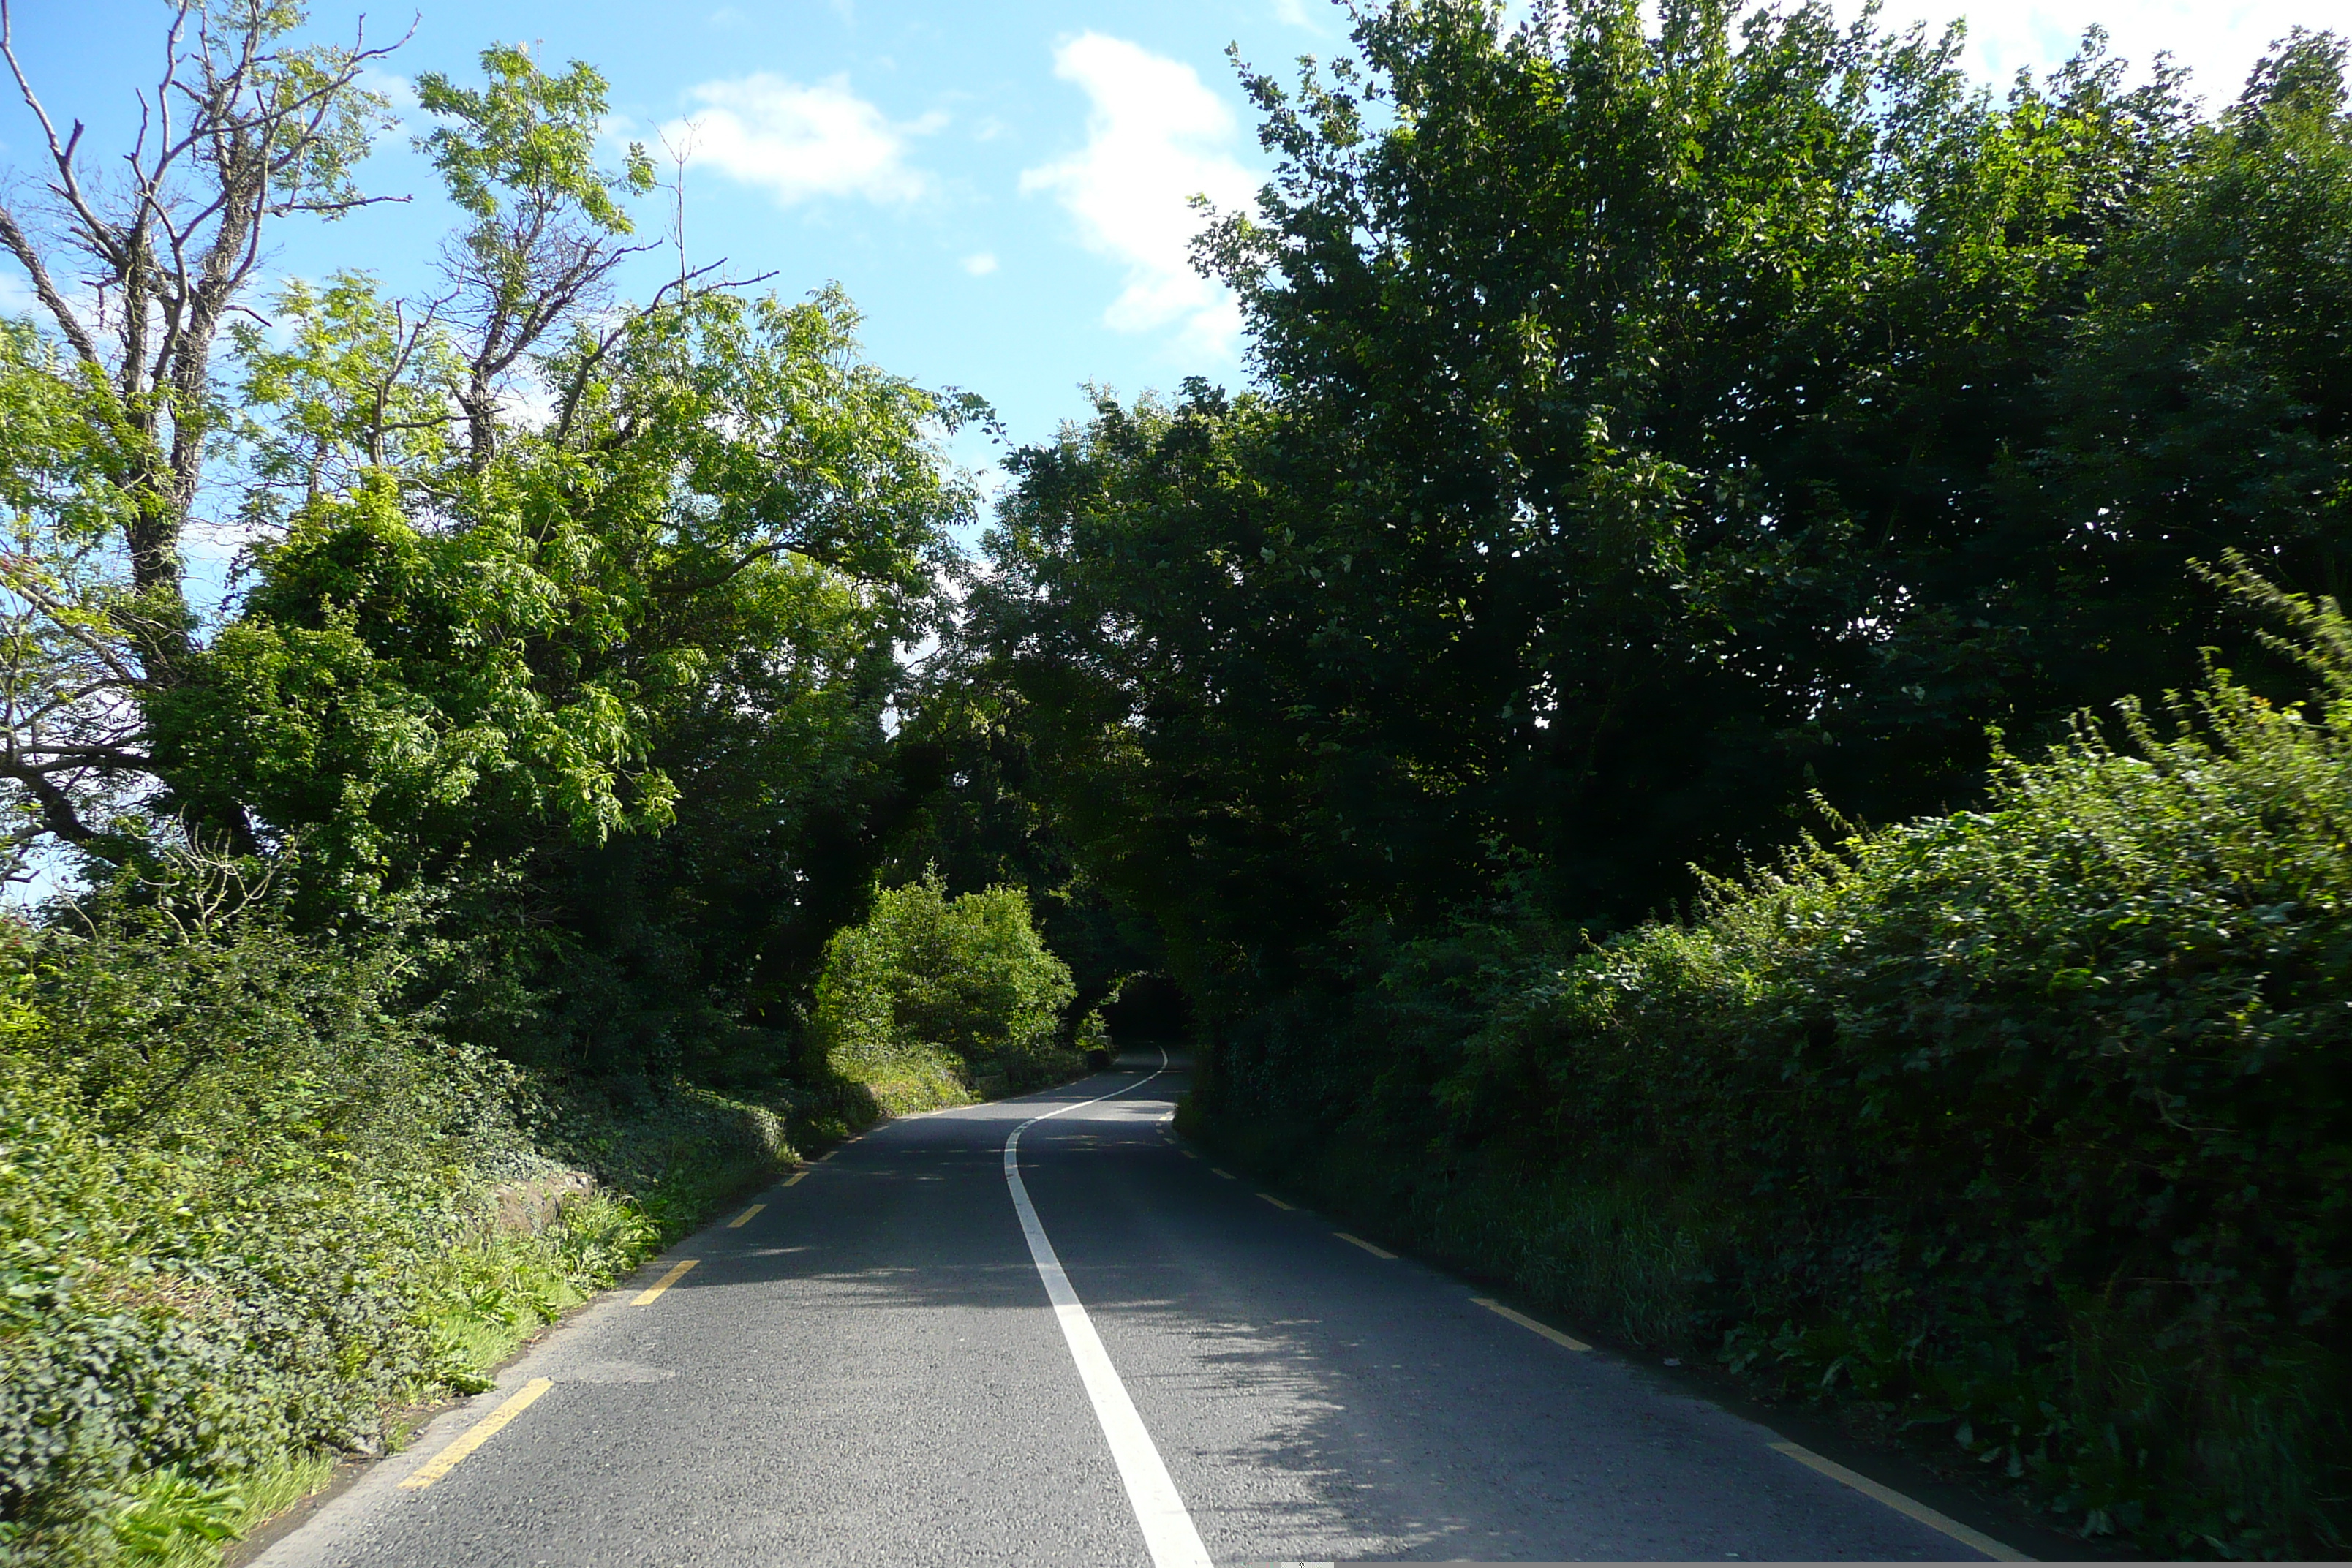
(1001, 187)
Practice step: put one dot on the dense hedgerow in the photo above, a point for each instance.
(256, 1201)
(2032, 1120)
(933, 997)
(252, 1206)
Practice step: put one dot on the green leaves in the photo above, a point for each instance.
(378, 694)
(358, 392)
(1659, 425)
(930, 992)
(526, 139)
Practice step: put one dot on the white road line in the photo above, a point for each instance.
(1167, 1528)
(1545, 1330)
(1928, 1516)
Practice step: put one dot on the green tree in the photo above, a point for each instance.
(1647, 434)
(2203, 397)
(263, 131)
(930, 992)
(605, 688)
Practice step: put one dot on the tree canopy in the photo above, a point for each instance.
(1653, 426)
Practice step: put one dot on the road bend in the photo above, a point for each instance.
(1099, 1348)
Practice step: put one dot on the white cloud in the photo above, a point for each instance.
(980, 263)
(2220, 43)
(1291, 13)
(1156, 137)
(82, 298)
(801, 141)
(398, 92)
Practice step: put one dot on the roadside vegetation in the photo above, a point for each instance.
(2022, 1126)
(1624, 730)
(489, 891)
(935, 1000)
(1743, 725)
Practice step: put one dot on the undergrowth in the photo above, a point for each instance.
(2026, 1129)
(935, 1001)
(252, 1209)
(258, 1206)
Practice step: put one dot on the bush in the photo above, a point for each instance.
(252, 1206)
(225, 1154)
(2031, 1122)
(933, 999)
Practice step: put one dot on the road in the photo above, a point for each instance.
(870, 1369)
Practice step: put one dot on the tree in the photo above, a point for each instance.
(243, 131)
(2203, 398)
(619, 692)
(1656, 425)
(569, 625)
(518, 158)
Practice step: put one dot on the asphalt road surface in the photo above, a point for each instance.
(889, 1361)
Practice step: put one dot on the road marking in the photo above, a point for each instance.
(1545, 1330)
(1274, 1201)
(796, 1178)
(741, 1220)
(647, 1298)
(1167, 1530)
(479, 1432)
(1368, 1247)
(1227, 1174)
(1904, 1505)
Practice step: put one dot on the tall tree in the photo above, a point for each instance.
(1648, 432)
(137, 272)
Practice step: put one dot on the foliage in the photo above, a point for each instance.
(263, 131)
(2200, 405)
(675, 608)
(224, 1156)
(932, 996)
(2027, 1122)
(1655, 425)
(65, 674)
(251, 1208)
(988, 823)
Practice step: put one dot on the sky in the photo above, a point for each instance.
(1002, 188)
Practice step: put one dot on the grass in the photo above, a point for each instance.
(682, 1158)
(174, 1521)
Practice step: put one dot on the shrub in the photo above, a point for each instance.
(252, 1206)
(934, 997)
(2031, 1122)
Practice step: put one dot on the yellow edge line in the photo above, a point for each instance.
(796, 1178)
(1274, 1201)
(1904, 1505)
(479, 1432)
(1545, 1330)
(1368, 1247)
(741, 1220)
(647, 1298)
